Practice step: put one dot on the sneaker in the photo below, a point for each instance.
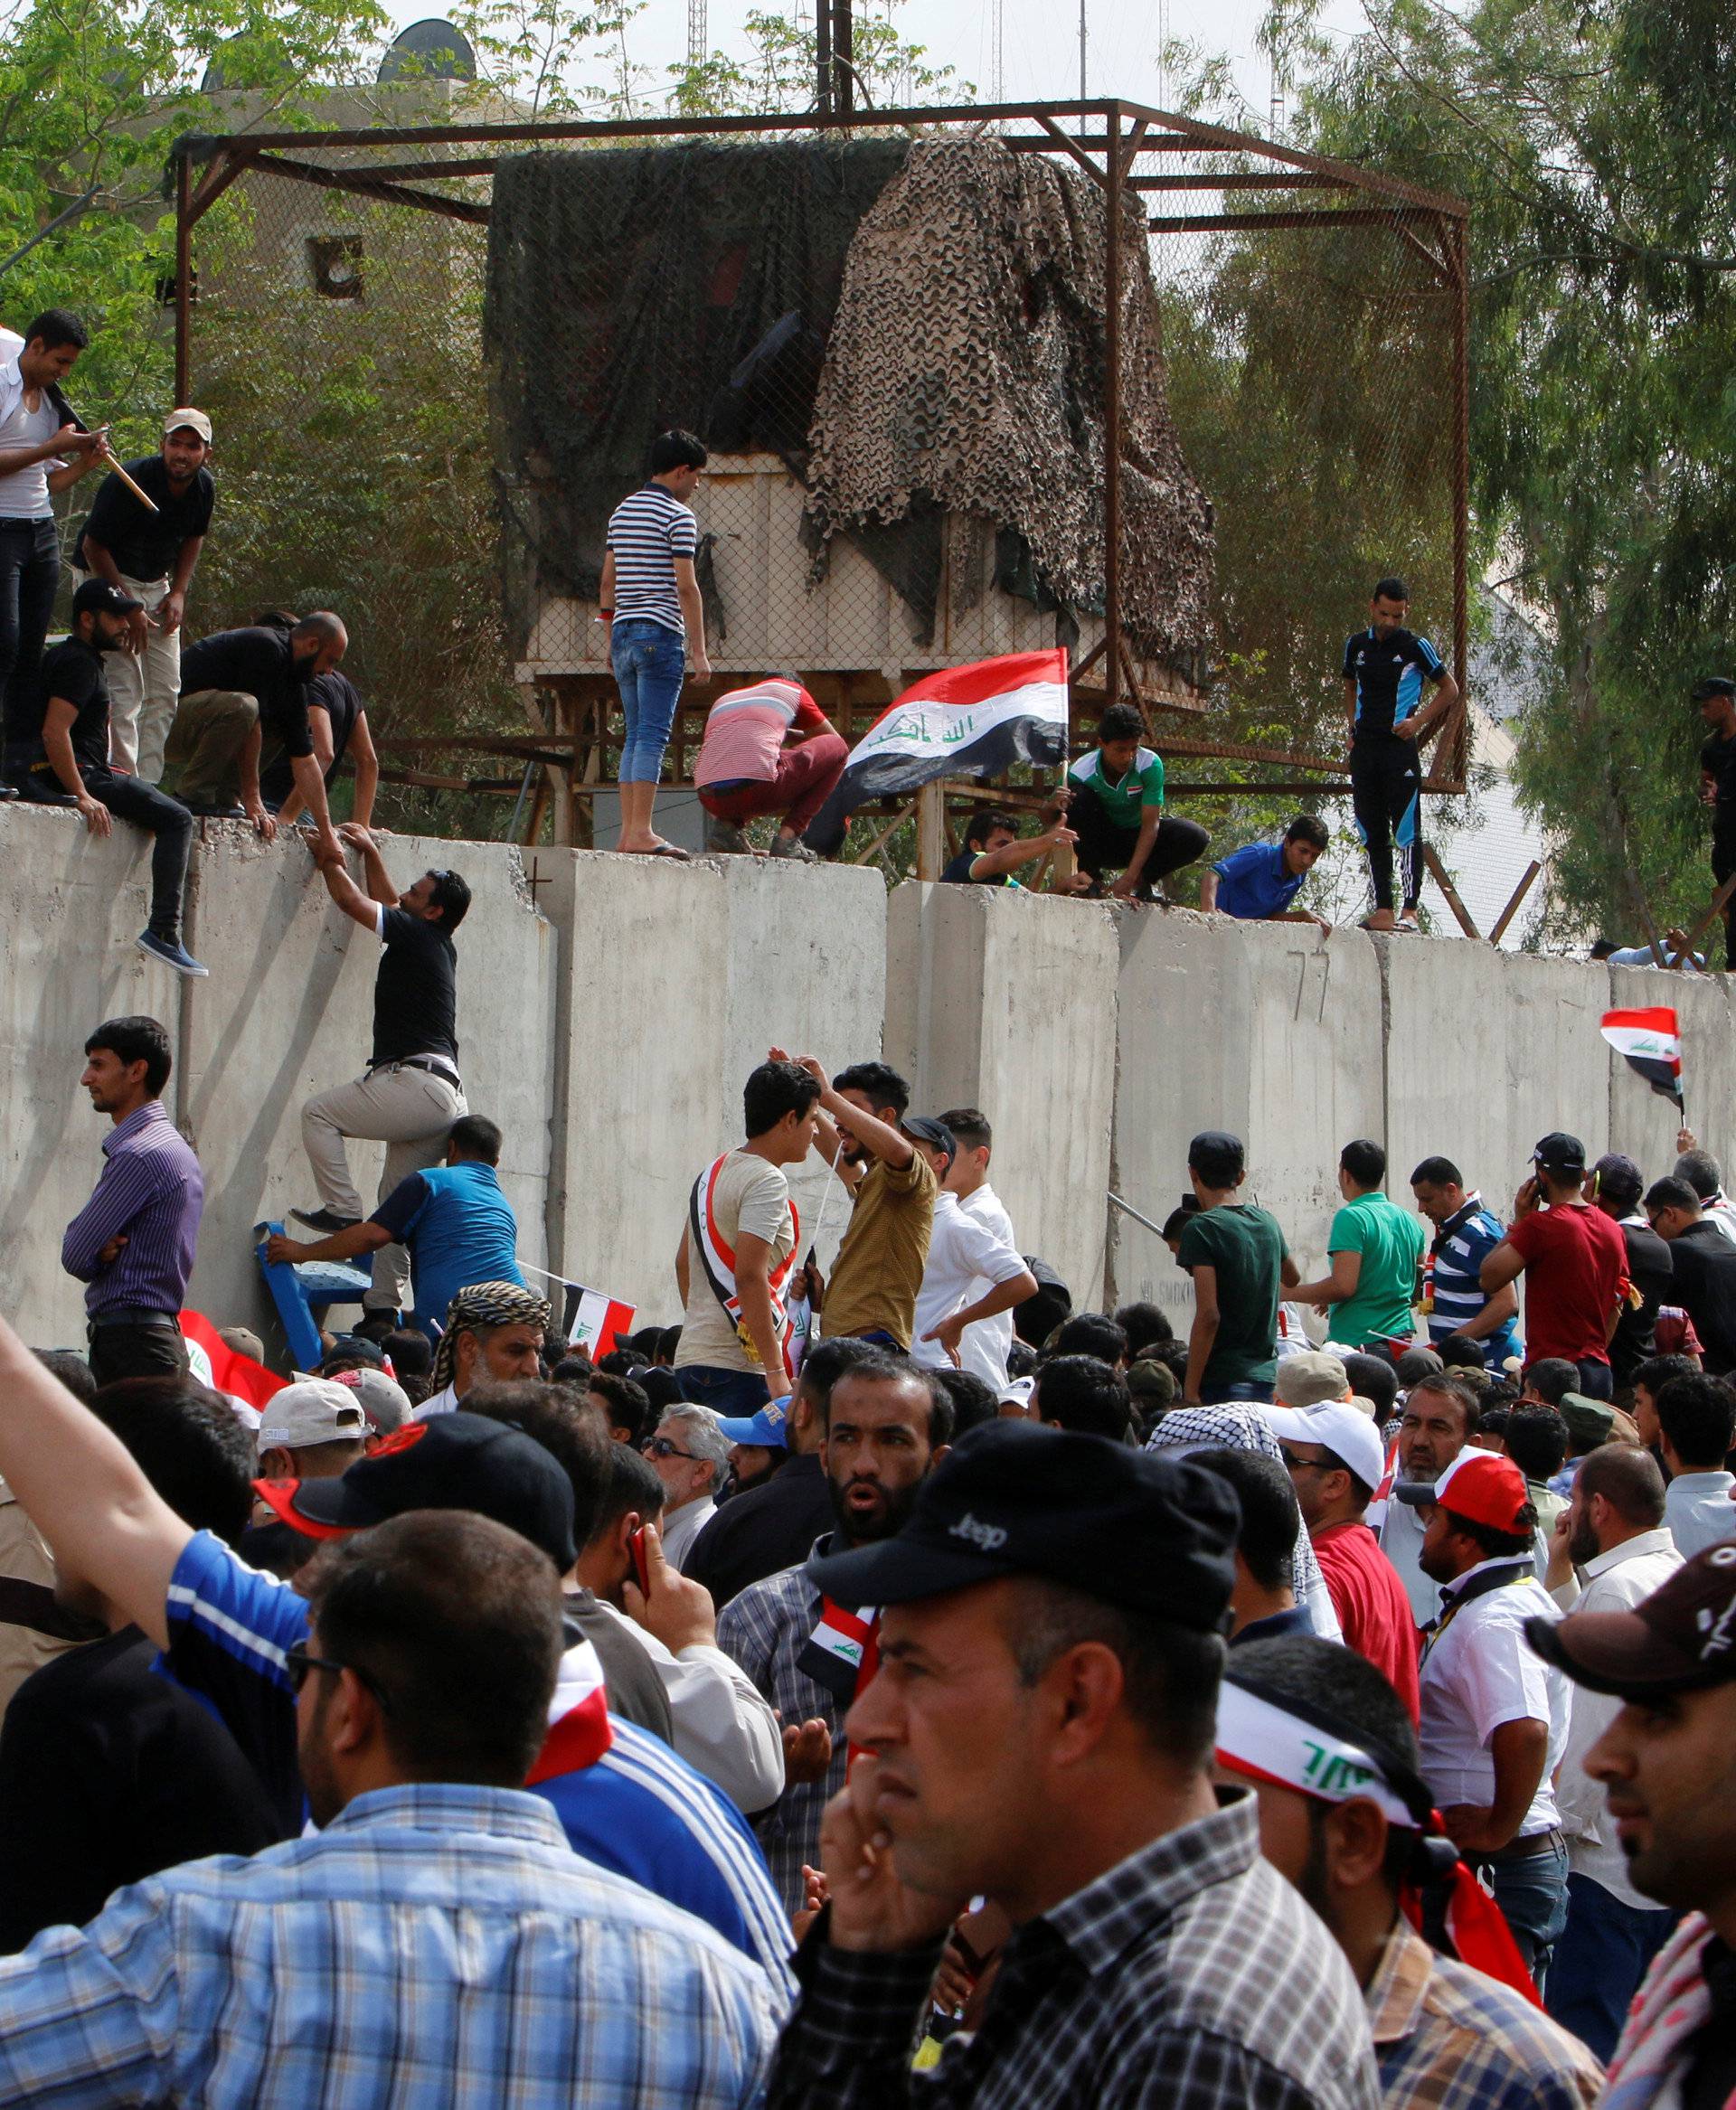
(725, 838)
(172, 952)
(325, 1221)
(206, 809)
(792, 846)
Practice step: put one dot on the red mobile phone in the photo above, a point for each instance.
(635, 1554)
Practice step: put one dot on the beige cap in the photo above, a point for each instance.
(312, 1410)
(193, 420)
(1306, 1378)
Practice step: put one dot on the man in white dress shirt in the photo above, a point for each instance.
(975, 1271)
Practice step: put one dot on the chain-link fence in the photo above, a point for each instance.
(917, 350)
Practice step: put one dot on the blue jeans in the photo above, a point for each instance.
(1212, 1395)
(1532, 1892)
(650, 661)
(1607, 1949)
(732, 1392)
(30, 570)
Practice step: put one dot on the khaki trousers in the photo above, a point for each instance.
(209, 732)
(412, 1112)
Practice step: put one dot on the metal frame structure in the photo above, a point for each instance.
(1105, 137)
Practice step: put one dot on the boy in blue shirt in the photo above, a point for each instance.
(1257, 883)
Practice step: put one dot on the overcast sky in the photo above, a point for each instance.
(1040, 40)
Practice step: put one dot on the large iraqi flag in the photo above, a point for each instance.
(1651, 1043)
(973, 721)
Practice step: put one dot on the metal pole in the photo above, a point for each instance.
(1081, 61)
(1128, 1208)
(843, 58)
(1112, 413)
(1457, 250)
(823, 56)
(183, 279)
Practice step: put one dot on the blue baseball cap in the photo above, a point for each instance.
(766, 1428)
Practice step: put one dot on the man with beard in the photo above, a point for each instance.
(1667, 1765)
(886, 1424)
(1614, 1534)
(875, 1278)
(1439, 1419)
(235, 687)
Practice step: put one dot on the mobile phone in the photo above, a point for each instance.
(635, 1554)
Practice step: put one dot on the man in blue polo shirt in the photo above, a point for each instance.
(1458, 1308)
(459, 1226)
(1257, 883)
(1384, 670)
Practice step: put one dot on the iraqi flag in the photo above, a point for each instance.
(594, 1319)
(973, 721)
(224, 1369)
(578, 1731)
(1649, 1042)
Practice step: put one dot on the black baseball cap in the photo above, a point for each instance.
(1680, 1639)
(1560, 1153)
(453, 1461)
(1139, 1528)
(1212, 1147)
(935, 1133)
(1710, 685)
(104, 596)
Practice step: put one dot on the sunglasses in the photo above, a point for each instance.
(297, 1663)
(1297, 1465)
(660, 1446)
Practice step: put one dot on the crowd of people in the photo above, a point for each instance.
(889, 1685)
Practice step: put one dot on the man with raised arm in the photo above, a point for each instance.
(410, 1094)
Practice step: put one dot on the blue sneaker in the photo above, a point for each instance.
(171, 952)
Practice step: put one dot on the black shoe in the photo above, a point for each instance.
(325, 1221)
(211, 810)
(374, 1325)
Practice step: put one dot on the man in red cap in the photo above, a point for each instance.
(1494, 1716)
(1667, 1763)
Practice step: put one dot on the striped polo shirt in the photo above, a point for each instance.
(1461, 1246)
(648, 532)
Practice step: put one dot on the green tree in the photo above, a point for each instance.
(1592, 142)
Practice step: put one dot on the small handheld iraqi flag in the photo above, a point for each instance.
(973, 721)
(1651, 1044)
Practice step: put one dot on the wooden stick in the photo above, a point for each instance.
(1451, 894)
(64, 409)
(144, 497)
(1512, 909)
(1709, 919)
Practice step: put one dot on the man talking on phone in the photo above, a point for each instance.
(1573, 1261)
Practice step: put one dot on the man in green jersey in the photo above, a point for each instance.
(1237, 1257)
(1117, 810)
(1375, 1250)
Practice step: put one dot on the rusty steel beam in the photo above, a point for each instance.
(1321, 216)
(360, 183)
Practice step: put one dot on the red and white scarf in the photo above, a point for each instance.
(717, 1257)
(1671, 2006)
(578, 1731)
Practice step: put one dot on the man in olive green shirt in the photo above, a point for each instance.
(1237, 1257)
(872, 1296)
(1375, 1248)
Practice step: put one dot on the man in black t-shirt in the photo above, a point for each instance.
(411, 1094)
(1385, 669)
(58, 750)
(1716, 696)
(238, 687)
(150, 556)
(338, 720)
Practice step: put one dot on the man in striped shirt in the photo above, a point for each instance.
(1465, 1234)
(650, 599)
(132, 1243)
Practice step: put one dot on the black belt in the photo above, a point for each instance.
(127, 1316)
(32, 520)
(435, 1064)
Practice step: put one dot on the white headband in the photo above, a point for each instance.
(1262, 1741)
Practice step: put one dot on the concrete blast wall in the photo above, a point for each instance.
(609, 1009)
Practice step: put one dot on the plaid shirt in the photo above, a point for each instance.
(765, 1629)
(1191, 1976)
(1448, 2038)
(436, 1944)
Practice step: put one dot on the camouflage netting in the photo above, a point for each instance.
(965, 372)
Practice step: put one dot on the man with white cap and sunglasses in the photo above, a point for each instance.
(151, 557)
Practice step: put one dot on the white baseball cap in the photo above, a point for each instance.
(312, 1410)
(1339, 1426)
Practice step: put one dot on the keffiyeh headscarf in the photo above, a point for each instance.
(485, 1303)
(1231, 1427)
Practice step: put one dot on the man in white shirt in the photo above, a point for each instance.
(1494, 1715)
(1613, 1534)
(1706, 1175)
(986, 1343)
(690, 1454)
(974, 1278)
(1696, 1425)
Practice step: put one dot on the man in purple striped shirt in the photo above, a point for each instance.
(132, 1243)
